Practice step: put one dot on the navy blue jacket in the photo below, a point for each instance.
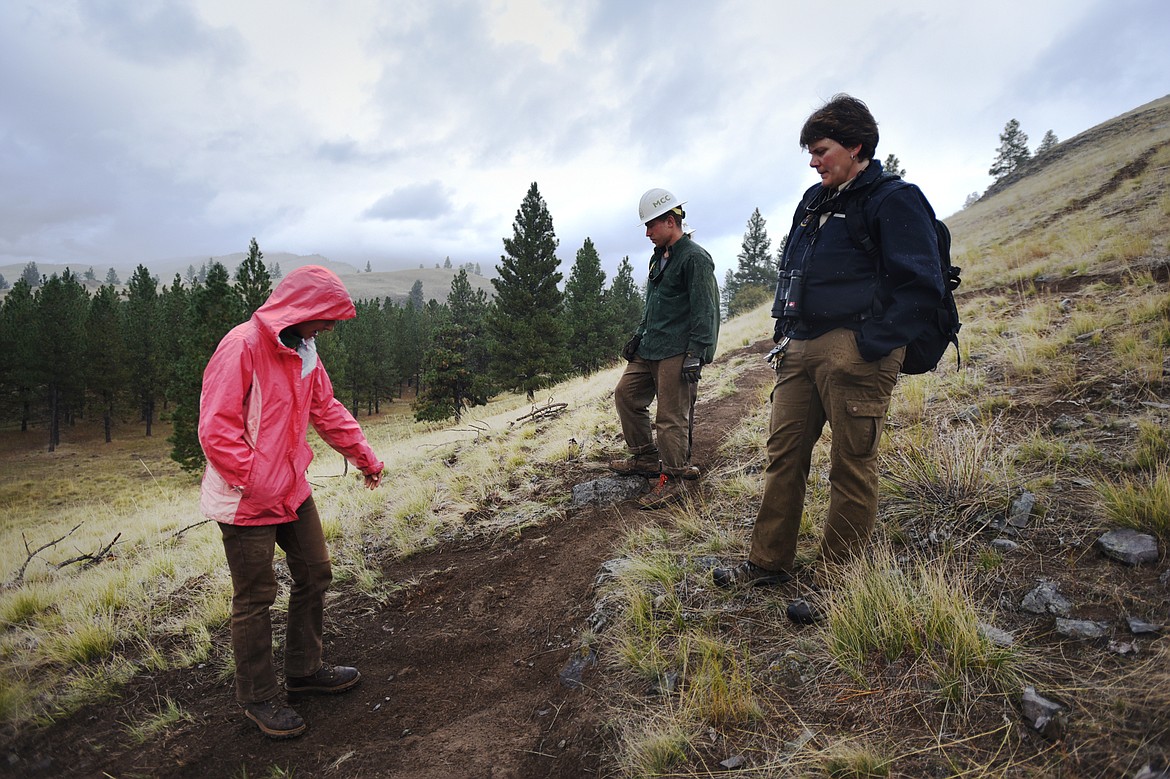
(887, 306)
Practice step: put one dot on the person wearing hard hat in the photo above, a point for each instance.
(677, 337)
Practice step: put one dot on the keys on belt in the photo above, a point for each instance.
(776, 356)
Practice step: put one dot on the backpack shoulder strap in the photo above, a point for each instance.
(855, 212)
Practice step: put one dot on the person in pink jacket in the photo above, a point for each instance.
(261, 389)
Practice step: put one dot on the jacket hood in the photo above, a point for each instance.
(307, 293)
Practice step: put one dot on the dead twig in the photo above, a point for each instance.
(183, 530)
(538, 413)
(19, 578)
(90, 560)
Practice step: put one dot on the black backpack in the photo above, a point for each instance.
(923, 354)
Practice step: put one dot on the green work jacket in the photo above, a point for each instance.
(682, 305)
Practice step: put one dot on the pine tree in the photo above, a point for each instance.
(585, 311)
(3, 282)
(59, 337)
(526, 325)
(623, 306)
(90, 274)
(1013, 150)
(756, 270)
(727, 293)
(106, 366)
(253, 284)
(31, 275)
(456, 362)
(1047, 142)
(415, 296)
(214, 309)
(112, 277)
(893, 165)
(144, 347)
(18, 358)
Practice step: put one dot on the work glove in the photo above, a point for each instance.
(630, 350)
(691, 368)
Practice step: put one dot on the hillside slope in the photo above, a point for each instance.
(987, 578)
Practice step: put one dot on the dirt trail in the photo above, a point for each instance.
(461, 671)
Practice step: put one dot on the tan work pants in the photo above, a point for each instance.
(641, 382)
(824, 379)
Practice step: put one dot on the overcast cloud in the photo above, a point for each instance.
(400, 133)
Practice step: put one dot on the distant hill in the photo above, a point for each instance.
(395, 284)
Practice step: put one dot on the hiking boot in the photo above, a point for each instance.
(667, 491)
(275, 719)
(748, 574)
(639, 465)
(690, 473)
(802, 612)
(328, 679)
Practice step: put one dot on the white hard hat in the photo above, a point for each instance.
(655, 203)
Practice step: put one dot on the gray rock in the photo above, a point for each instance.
(1150, 772)
(607, 490)
(1042, 714)
(1123, 647)
(733, 762)
(581, 660)
(1129, 546)
(1046, 599)
(1021, 511)
(611, 569)
(1004, 545)
(1139, 627)
(1066, 424)
(997, 636)
(1081, 628)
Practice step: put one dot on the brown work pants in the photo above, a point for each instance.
(823, 379)
(250, 550)
(636, 389)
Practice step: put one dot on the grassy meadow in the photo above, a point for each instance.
(1061, 393)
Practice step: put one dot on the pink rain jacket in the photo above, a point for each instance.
(255, 408)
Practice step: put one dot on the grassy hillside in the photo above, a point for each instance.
(1061, 403)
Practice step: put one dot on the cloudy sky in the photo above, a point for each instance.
(401, 132)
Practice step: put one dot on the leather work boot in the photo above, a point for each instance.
(329, 679)
(275, 719)
(668, 491)
(748, 574)
(639, 465)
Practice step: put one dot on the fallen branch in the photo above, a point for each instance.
(183, 530)
(19, 578)
(547, 411)
(90, 560)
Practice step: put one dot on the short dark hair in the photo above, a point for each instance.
(843, 119)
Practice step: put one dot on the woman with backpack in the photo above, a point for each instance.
(844, 316)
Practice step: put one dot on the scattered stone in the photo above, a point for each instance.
(733, 762)
(1042, 714)
(970, 414)
(1004, 545)
(1149, 771)
(706, 563)
(607, 490)
(1081, 628)
(1066, 424)
(997, 636)
(1066, 305)
(800, 741)
(1139, 627)
(1046, 599)
(611, 569)
(1021, 511)
(1123, 647)
(580, 661)
(666, 684)
(1129, 546)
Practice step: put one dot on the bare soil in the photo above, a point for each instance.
(460, 668)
